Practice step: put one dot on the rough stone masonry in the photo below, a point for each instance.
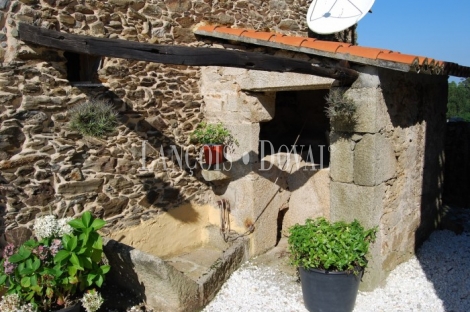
(385, 171)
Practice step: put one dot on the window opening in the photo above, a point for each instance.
(82, 69)
(294, 110)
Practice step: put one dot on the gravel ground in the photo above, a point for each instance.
(436, 280)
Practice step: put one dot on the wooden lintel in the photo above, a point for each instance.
(177, 55)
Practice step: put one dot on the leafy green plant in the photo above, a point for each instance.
(339, 107)
(323, 245)
(93, 118)
(50, 272)
(212, 134)
(81, 255)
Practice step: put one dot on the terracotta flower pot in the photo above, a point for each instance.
(213, 153)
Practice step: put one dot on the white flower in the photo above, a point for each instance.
(92, 301)
(49, 227)
(26, 308)
(12, 303)
(45, 227)
(63, 227)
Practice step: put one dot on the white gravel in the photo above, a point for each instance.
(436, 280)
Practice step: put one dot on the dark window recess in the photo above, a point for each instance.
(298, 113)
(82, 68)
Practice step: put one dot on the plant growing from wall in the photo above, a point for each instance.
(93, 118)
(340, 107)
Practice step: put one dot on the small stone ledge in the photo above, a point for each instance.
(217, 172)
(86, 84)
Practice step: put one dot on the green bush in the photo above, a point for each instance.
(323, 245)
(93, 118)
(54, 269)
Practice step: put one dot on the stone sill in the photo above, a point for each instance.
(86, 84)
(215, 172)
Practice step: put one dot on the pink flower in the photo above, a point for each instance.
(8, 251)
(9, 267)
(56, 245)
(42, 252)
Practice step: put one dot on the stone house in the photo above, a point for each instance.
(384, 170)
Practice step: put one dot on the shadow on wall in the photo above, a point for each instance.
(457, 166)
(188, 215)
(417, 111)
(160, 193)
(420, 106)
(122, 288)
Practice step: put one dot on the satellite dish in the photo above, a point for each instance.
(330, 16)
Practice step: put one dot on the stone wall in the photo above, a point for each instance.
(386, 170)
(44, 166)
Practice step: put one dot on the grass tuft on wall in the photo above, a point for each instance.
(93, 118)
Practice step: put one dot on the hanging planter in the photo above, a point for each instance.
(215, 138)
(214, 153)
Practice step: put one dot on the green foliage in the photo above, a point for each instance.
(81, 255)
(212, 134)
(48, 279)
(340, 107)
(93, 118)
(323, 245)
(458, 103)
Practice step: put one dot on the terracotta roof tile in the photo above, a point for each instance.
(366, 52)
(423, 60)
(327, 46)
(231, 31)
(258, 35)
(399, 58)
(288, 40)
(415, 63)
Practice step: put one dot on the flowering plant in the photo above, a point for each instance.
(56, 268)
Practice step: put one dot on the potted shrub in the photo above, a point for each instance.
(215, 138)
(57, 269)
(331, 258)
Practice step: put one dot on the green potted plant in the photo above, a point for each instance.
(214, 137)
(57, 269)
(331, 258)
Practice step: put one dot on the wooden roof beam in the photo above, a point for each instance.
(177, 55)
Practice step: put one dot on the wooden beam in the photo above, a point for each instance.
(177, 55)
